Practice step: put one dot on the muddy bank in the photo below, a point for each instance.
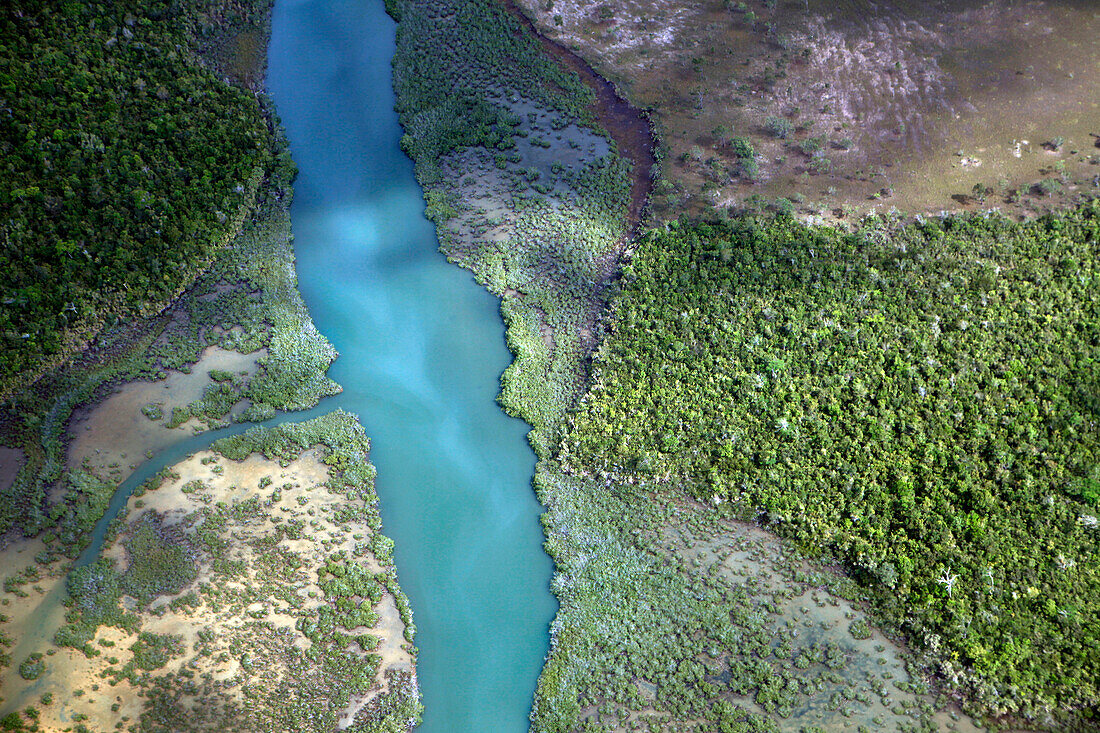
(112, 436)
(627, 125)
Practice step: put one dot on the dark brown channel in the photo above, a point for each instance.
(628, 126)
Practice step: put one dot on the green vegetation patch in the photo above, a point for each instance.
(450, 55)
(127, 165)
(470, 81)
(160, 560)
(95, 592)
(32, 667)
(153, 651)
(920, 401)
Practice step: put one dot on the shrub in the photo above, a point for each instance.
(779, 127)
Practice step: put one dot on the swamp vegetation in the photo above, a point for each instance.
(918, 402)
(913, 403)
(525, 192)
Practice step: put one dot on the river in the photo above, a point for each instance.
(422, 349)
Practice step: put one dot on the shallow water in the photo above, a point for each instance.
(422, 349)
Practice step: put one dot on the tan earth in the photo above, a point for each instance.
(914, 104)
(217, 614)
(113, 434)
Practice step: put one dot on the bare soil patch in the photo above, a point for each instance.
(919, 106)
(11, 460)
(113, 435)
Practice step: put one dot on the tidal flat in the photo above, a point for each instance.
(231, 593)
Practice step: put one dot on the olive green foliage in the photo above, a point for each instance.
(94, 591)
(264, 309)
(780, 127)
(127, 164)
(459, 69)
(392, 713)
(159, 558)
(746, 157)
(32, 667)
(918, 401)
(153, 651)
(86, 498)
(631, 611)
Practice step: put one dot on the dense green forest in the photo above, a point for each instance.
(126, 163)
(919, 401)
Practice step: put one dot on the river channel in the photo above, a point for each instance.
(422, 349)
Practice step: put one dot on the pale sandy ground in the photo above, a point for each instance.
(22, 632)
(251, 619)
(113, 435)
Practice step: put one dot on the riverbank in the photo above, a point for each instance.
(539, 206)
(627, 125)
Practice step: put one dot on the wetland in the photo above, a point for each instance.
(798, 465)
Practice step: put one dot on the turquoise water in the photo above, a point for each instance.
(422, 349)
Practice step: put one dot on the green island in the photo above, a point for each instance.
(809, 365)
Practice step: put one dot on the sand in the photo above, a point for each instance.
(254, 607)
(11, 460)
(113, 434)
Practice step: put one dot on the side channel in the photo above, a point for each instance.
(422, 349)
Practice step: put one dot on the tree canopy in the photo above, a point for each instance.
(125, 164)
(919, 401)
